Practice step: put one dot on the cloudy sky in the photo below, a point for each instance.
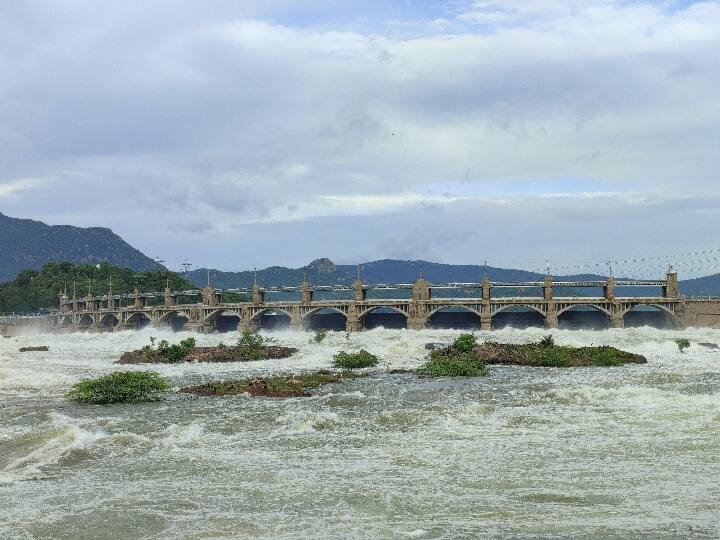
(252, 133)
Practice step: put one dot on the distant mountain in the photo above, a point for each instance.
(704, 286)
(325, 272)
(29, 244)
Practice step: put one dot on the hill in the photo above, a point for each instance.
(33, 291)
(325, 272)
(28, 244)
(704, 286)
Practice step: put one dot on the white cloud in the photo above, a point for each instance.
(239, 116)
(15, 187)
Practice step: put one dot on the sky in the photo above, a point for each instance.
(247, 134)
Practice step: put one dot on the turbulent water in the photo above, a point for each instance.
(631, 452)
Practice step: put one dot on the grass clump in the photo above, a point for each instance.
(319, 336)
(42, 348)
(442, 364)
(356, 360)
(278, 386)
(682, 344)
(120, 387)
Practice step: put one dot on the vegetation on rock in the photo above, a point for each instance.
(457, 361)
(278, 386)
(33, 349)
(355, 360)
(452, 362)
(250, 347)
(165, 353)
(547, 354)
(120, 387)
(682, 344)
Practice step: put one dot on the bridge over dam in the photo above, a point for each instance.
(484, 305)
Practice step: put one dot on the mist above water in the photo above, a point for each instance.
(629, 451)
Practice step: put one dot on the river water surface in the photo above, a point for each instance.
(627, 452)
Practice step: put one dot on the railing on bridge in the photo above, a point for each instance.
(380, 287)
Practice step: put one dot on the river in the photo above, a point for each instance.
(624, 452)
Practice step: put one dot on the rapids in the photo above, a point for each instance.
(630, 451)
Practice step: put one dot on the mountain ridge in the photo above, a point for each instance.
(324, 272)
(27, 244)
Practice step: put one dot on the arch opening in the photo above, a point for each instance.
(178, 322)
(583, 317)
(137, 321)
(85, 322)
(227, 322)
(326, 319)
(273, 319)
(108, 322)
(383, 317)
(174, 320)
(652, 316)
(455, 317)
(520, 317)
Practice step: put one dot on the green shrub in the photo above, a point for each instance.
(319, 336)
(682, 344)
(444, 365)
(251, 346)
(176, 351)
(120, 387)
(465, 343)
(547, 341)
(360, 359)
(552, 357)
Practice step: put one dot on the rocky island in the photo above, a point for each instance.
(295, 385)
(468, 358)
(250, 347)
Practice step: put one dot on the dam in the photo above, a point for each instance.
(484, 304)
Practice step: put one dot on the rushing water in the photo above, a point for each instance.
(631, 452)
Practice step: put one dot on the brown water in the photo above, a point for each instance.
(629, 452)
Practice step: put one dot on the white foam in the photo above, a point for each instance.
(49, 446)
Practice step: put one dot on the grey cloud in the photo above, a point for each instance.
(218, 114)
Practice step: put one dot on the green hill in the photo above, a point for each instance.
(25, 243)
